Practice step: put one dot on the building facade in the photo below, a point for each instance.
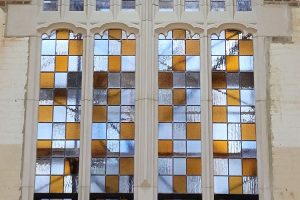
(78, 49)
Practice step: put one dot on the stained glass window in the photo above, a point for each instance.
(128, 4)
(58, 136)
(191, 5)
(50, 5)
(233, 114)
(76, 5)
(179, 128)
(102, 5)
(166, 5)
(113, 113)
(217, 5)
(244, 5)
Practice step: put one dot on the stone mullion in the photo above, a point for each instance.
(206, 120)
(86, 120)
(145, 186)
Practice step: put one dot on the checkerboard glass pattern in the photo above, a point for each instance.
(112, 164)
(233, 113)
(179, 127)
(58, 135)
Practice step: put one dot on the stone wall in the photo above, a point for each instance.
(13, 69)
(285, 114)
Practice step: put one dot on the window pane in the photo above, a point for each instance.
(234, 140)
(113, 112)
(179, 128)
(166, 5)
(102, 5)
(50, 5)
(76, 5)
(128, 4)
(217, 5)
(58, 140)
(191, 5)
(244, 5)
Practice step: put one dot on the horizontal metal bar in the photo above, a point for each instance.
(125, 196)
(40, 196)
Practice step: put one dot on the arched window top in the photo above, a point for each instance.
(62, 34)
(179, 34)
(115, 34)
(232, 34)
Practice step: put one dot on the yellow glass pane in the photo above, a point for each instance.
(165, 80)
(112, 184)
(165, 147)
(194, 166)
(219, 114)
(193, 131)
(114, 97)
(249, 167)
(47, 80)
(73, 131)
(115, 34)
(232, 34)
(98, 148)
(127, 130)
(248, 132)
(75, 47)
(126, 166)
(45, 113)
(179, 63)
(179, 184)
(100, 80)
(44, 148)
(232, 63)
(193, 47)
(60, 97)
(61, 63)
(246, 47)
(235, 185)
(128, 47)
(62, 34)
(114, 63)
(179, 34)
(233, 97)
(165, 114)
(179, 97)
(57, 184)
(71, 166)
(218, 80)
(99, 114)
(220, 148)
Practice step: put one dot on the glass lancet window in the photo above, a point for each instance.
(128, 4)
(166, 5)
(113, 113)
(191, 5)
(76, 5)
(244, 5)
(217, 5)
(102, 5)
(58, 136)
(233, 114)
(50, 5)
(179, 144)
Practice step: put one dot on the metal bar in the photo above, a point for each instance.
(40, 196)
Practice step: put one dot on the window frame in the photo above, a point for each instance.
(33, 88)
